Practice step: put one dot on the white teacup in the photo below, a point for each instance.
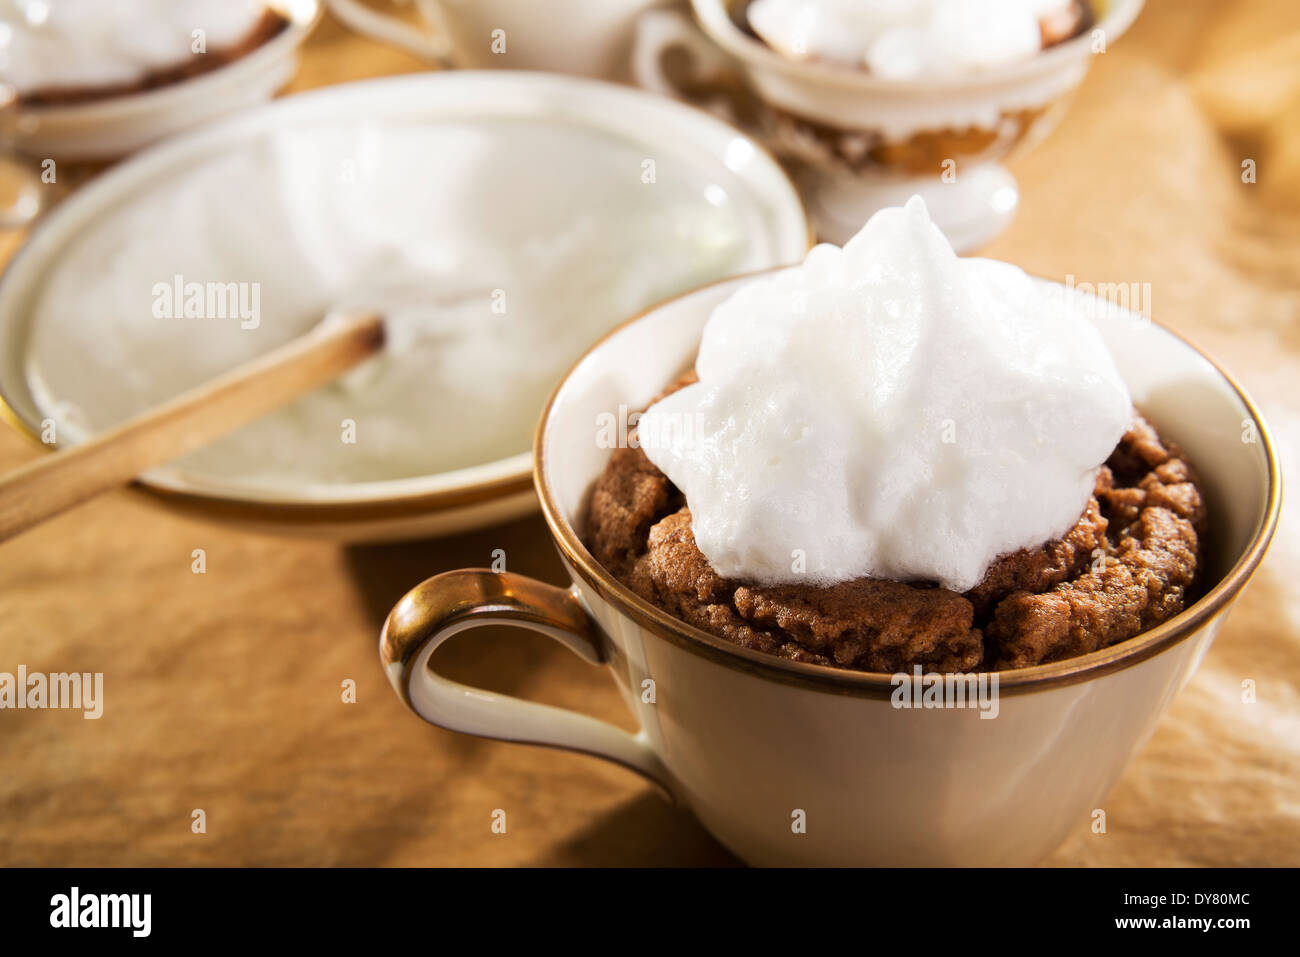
(857, 142)
(585, 37)
(756, 745)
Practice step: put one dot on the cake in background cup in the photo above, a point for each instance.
(76, 51)
(870, 104)
(95, 80)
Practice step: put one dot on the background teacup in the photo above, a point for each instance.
(856, 142)
(585, 37)
(756, 744)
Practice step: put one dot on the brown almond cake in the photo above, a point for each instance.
(1130, 562)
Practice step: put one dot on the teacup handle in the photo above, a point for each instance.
(453, 602)
(390, 30)
(660, 31)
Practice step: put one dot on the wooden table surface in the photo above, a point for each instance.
(223, 690)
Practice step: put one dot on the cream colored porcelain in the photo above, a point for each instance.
(752, 743)
(107, 129)
(858, 143)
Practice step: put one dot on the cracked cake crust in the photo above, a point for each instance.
(1129, 563)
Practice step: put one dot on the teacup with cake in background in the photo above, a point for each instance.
(872, 103)
(91, 80)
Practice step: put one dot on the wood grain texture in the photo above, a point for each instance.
(52, 484)
(223, 689)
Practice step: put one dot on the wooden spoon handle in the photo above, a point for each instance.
(51, 485)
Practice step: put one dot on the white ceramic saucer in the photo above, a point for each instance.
(775, 228)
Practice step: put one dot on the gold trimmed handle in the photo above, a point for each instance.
(450, 603)
(711, 78)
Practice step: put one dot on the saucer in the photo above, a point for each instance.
(404, 144)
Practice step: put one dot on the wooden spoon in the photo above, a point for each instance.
(54, 484)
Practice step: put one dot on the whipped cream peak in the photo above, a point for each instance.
(889, 410)
(906, 39)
